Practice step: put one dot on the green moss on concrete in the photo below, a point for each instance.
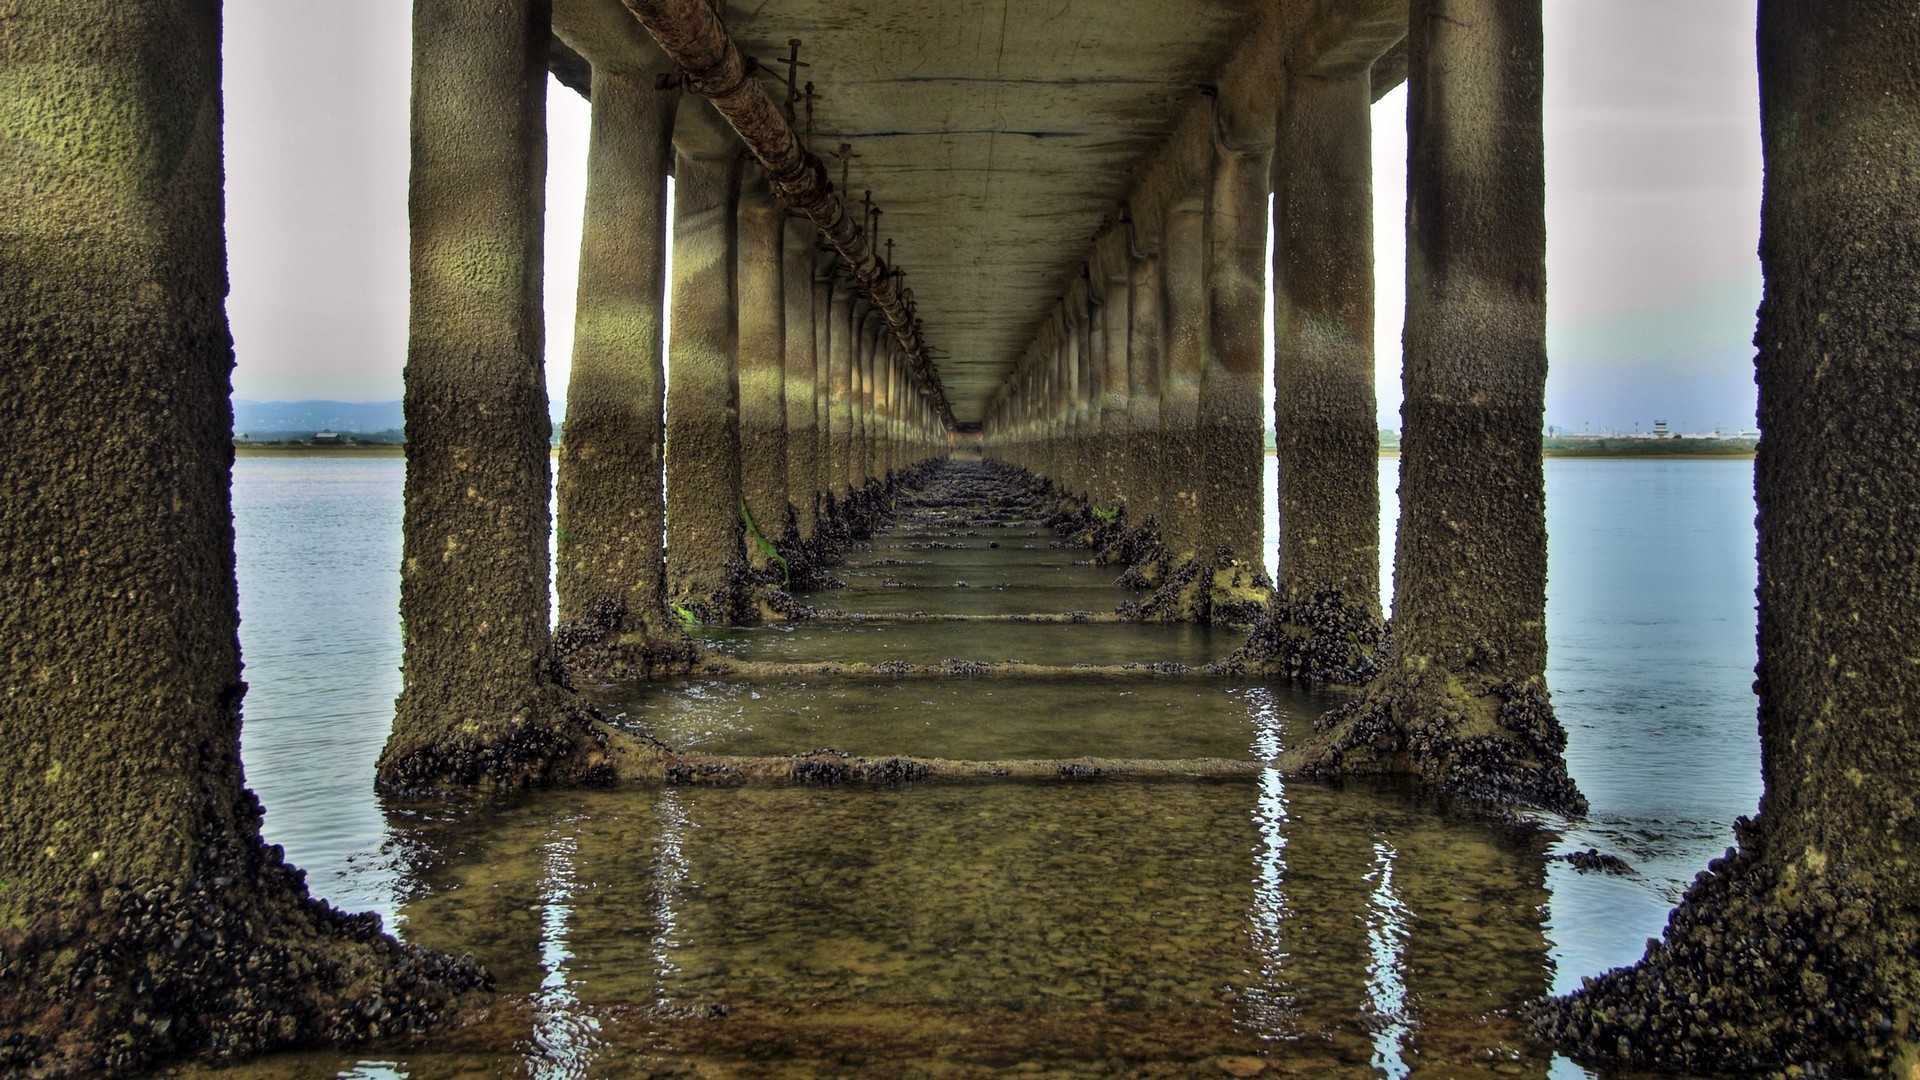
(142, 919)
(611, 516)
(704, 535)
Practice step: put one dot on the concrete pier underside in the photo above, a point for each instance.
(1040, 242)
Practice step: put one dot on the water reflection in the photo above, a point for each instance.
(1267, 1007)
(1387, 930)
(564, 1029)
(672, 879)
(1156, 929)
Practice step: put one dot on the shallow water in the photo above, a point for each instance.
(962, 931)
(1150, 929)
(1047, 644)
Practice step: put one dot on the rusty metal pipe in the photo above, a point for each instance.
(692, 36)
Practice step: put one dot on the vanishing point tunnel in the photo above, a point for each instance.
(904, 234)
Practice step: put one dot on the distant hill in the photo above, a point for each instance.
(270, 419)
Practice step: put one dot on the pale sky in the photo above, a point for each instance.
(1653, 194)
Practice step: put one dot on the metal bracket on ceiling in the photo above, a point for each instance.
(846, 156)
(809, 97)
(794, 64)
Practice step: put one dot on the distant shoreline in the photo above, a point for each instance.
(271, 450)
(1648, 451)
(1739, 453)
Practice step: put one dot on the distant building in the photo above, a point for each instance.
(329, 438)
(1660, 430)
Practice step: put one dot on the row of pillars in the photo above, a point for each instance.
(681, 489)
(788, 392)
(689, 493)
(1142, 389)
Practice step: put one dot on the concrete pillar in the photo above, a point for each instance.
(1057, 397)
(858, 345)
(999, 431)
(1327, 598)
(1017, 419)
(842, 314)
(890, 454)
(1146, 336)
(1183, 252)
(761, 272)
(1232, 401)
(1795, 954)
(913, 428)
(871, 361)
(611, 504)
(917, 446)
(1072, 397)
(1073, 372)
(1052, 396)
(126, 820)
(801, 297)
(883, 360)
(1086, 393)
(906, 402)
(823, 376)
(893, 390)
(889, 386)
(1023, 412)
(860, 382)
(1011, 410)
(1032, 388)
(704, 529)
(474, 575)
(1021, 424)
(1110, 276)
(1465, 689)
(1066, 344)
(1001, 434)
